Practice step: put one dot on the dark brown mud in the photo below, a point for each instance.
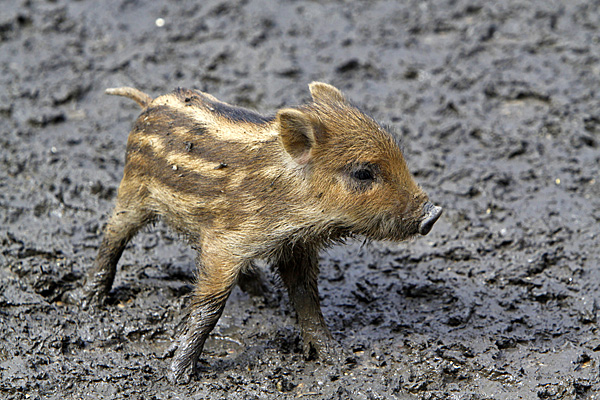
(497, 104)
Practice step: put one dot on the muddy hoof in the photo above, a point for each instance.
(176, 378)
(182, 370)
(77, 297)
(325, 349)
(85, 299)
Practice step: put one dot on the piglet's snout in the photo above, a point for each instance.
(431, 214)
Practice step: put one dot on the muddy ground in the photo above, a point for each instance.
(497, 104)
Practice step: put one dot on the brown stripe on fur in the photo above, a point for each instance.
(224, 121)
(195, 98)
(145, 161)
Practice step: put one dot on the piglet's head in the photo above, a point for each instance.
(354, 169)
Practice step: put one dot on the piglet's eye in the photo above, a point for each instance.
(363, 174)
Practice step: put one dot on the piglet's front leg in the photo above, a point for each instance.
(299, 270)
(216, 277)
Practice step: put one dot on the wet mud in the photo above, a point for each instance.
(497, 105)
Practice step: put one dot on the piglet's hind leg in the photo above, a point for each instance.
(128, 218)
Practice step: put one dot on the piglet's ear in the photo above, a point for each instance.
(297, 134)
(325, 93)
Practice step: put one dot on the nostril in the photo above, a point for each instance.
(432, 214)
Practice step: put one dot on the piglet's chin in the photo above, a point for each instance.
(393, 229)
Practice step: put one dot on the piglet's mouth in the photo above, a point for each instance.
(431, 214)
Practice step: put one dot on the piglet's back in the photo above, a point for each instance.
(204, 161)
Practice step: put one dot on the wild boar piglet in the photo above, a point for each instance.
(240, 186)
